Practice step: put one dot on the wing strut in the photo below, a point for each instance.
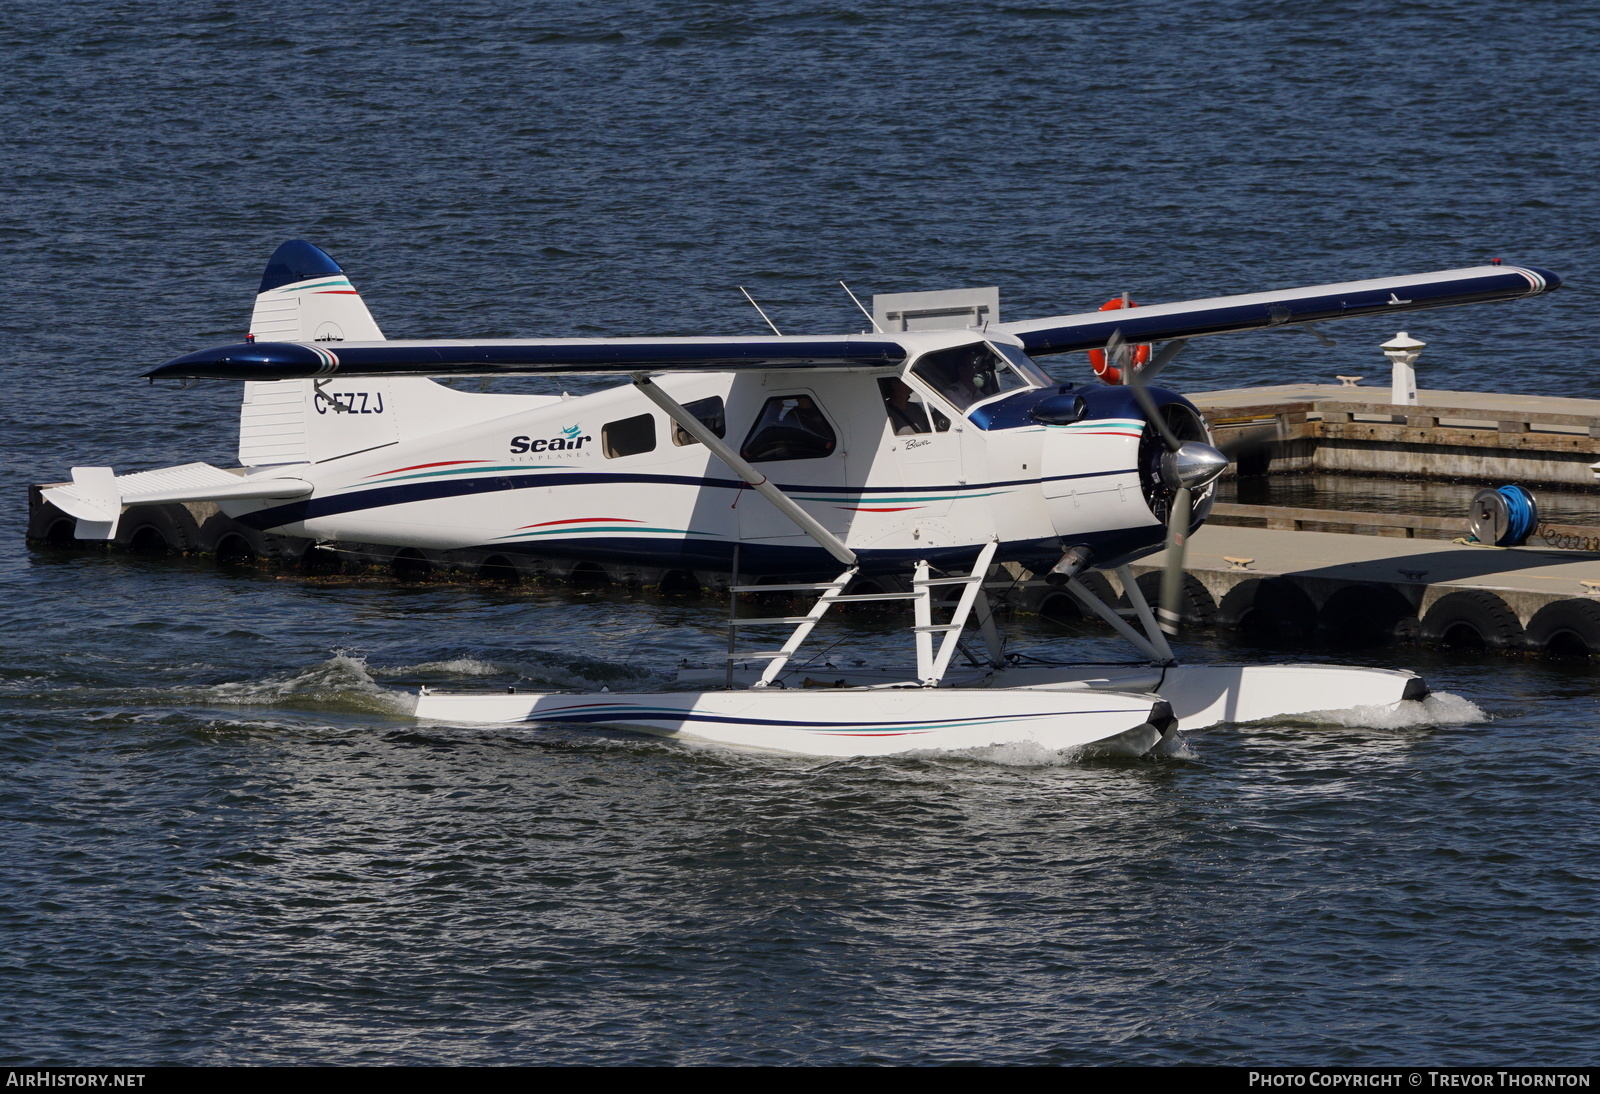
(737, 464)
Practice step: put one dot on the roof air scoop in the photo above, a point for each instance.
(945, 309)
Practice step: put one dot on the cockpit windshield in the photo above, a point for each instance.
(967, 375)
(1024, 364)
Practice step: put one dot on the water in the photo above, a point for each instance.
(226, 845)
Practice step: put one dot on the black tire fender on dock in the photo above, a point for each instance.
(321, 561)
(410, 564)
(500, 569)
(51, 526)
(47, 524)
(1199, 609)
(1366, 614)
(222, 535)
(1271, 607)
(1566, 628)
(679, 583)
(1061, 606)
(1471, 617)
(158, 529)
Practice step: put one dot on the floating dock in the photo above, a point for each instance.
(1304, 573)
(1372, 590)
(1446, 434)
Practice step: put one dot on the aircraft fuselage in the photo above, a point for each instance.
(609, 477)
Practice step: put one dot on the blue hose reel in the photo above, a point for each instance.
(1505, 517)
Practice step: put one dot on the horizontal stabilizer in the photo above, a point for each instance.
(98, 496)
(92, 499)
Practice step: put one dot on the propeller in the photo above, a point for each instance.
(1162, 358)
(1186, 466)
(1243, 442)
(1247, 441)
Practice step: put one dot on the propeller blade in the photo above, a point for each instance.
(1170, 614)
(1139, 385)
(1244, 440)
(1119, 355)
(1163, 358)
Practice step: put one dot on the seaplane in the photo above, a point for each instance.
(922, 452)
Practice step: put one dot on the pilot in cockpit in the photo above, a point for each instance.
(905, 416)
(966, 375)
(975, 377)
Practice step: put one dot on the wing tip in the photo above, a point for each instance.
(1549, 280)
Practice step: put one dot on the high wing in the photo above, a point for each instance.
(1287, 307)
(521, 357)
(1061, 334)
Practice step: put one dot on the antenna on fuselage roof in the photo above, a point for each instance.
(863, 308)
(763, 314)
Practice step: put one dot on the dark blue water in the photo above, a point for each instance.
(224, 844)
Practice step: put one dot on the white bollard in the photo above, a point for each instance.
(1402, 351)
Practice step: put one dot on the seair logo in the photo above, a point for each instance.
(571, 439)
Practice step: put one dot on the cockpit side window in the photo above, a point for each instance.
(711, 414)
(789, 427)
(967, 375)
(907, 412)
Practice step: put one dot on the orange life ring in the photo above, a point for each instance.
(1097, 357)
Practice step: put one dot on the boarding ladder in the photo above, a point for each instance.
(931, 663)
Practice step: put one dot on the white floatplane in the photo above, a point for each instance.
(932, 446)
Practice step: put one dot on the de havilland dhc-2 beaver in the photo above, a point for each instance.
(808, 460)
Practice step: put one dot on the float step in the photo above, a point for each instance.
(945, 581)
(857, 598)
(769, 621)
(756, 655)
(798, 587)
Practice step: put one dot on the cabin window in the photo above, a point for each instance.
(709, 413)
(968, 375)
(630, 436)
(789, 427)
(908, 414)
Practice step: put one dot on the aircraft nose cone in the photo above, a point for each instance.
(1193, 465)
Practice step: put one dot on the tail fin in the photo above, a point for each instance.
(306, 297)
